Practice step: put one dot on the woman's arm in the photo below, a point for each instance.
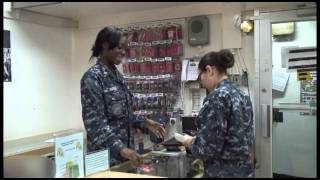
(209, 139)
(94, 117)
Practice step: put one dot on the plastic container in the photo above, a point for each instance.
(162, 50)
(155, 66)
(136, 65)
(169, 66)
(162, 65)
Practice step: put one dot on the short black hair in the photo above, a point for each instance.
(111, 35)
(221, 60)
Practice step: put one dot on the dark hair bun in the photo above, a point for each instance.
(227, 58)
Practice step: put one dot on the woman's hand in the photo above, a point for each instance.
(137, 131)
(188, 140)
(132, 155)
(156, 128)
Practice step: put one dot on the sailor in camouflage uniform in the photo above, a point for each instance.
(107, 102)
(224, 139)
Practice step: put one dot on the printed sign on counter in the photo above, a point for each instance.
(69, 156)
(97, 161)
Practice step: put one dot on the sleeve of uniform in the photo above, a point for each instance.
(138, 121)
(209, 139)
(93, 114)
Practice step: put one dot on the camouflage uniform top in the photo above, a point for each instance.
(107, 111)
(225, 133)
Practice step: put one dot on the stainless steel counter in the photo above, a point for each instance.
(28, 167)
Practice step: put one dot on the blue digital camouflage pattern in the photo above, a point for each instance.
(107, 111)
(225, 133)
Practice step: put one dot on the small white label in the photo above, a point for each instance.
(155, 42)
(147, 44)
(133, 44)
(167, 58)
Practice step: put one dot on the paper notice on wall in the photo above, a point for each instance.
(7, 76)
(279, 80)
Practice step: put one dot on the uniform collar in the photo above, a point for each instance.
(220, 84)
(107, 71)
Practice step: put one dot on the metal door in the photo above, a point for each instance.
(267, 133)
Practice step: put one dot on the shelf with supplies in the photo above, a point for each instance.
(154, 32)
(154, 101)
(159, 42)
(153, 68)
(158, 83)
(173, 49)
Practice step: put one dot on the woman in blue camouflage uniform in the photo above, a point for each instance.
(107, 102)
(225, 136)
